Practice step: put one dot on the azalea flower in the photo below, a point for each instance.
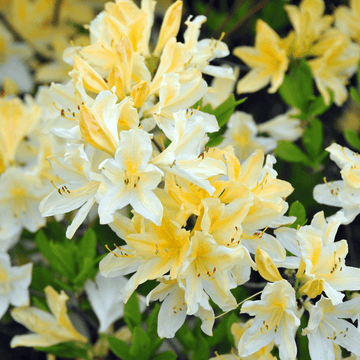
(131, 178)
(333, 69)
(14, 283)
(151, 251)
(49, 329)
(342, 193)
(105, 297)
(283, 127)
(241, 134)
(267, 60)
(309, 23)
(237, 330)
(347, 19)
(326, 327)
(206, 267)
(173, 310)
(323, 262)
(80, 188)
(275, 320)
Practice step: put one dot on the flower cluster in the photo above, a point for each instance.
(342, 193)
(138, 139)
(332, 53)
(25, 174)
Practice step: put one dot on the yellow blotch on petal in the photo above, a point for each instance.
(95, 133)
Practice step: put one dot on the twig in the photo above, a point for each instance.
(56, 13)
(251, 12)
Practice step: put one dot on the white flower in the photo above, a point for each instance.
(241, 134)
(105, 296)
(131, 179)
(275, 320)
(80, 187)
(343, 193)
(283, 127)
(326, 326)
(14, 283)
(48, 329)
(183, 156)
(173, 310)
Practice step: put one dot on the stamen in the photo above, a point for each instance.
(332, 191)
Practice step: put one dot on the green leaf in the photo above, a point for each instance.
(151, 321)
(140, 345)
(40, 302)
(352, 138)
(313, 138)
(297, 209)
(119, 348)
(288, 151)
(87, 271)
(201, 351)
(186, 337)
(105, 236)
(42, 277)
(218, 334)
(151, 329)
(60, 255)
(297, 87)
(355, 95)
(231, 320)
(226, 109)
(65, 350)
(318, 106)
(132, 315)
(87, 245)
(166, 355)
(215, 141)
(215, 18)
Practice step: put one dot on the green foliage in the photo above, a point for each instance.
(352, 138)
(222, 114)
(313, 139)
(219, 334)
(151, 329)
(222, 20)
(119, 348)
(290, 152)
(105, 236)
(201, 351)
(144, 345)
(303, 343)
(355, 95)
(186, 338)
(313, 143)
(132, 315)
(140, 345)
(76, 261)
(66, 350)
(231, 320)
(297, 209)
(297, 91)
(297, 87)
(274, 14)
(166, 355)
